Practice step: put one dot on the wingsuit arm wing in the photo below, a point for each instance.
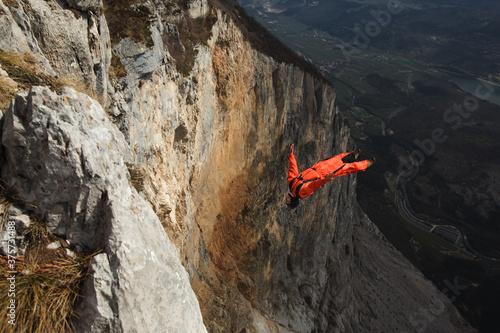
(293, 170)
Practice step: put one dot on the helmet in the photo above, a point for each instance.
(294, 201)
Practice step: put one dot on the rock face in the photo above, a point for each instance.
(211, 137)
(65, 155)
(68, 44)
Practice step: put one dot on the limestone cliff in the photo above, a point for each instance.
(204, 104)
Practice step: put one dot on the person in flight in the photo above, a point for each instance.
(304, 184)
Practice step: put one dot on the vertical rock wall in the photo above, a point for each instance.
(215, 151)
(213, 146)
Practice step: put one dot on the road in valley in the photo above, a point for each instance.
(449, 233)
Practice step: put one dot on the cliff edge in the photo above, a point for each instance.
(175, 170)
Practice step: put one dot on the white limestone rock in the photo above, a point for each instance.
(92, 5)
(73, 47)
(198, 8)
(65, 157)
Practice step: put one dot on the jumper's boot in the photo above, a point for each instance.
(351, 157)
(357, 153)
(370, 162)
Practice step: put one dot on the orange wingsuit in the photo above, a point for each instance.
(303, 185)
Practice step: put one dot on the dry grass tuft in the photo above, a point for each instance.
(116, 70)
(37, 234)
(11, 4)
(128, 18)
(44, 294)
(8, 89)
(8, 198)
(24, 73)
(22, 69)
(43, 284)
(137, 177)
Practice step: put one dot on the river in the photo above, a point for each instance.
(470, 85)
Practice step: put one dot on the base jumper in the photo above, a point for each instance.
(303, 185)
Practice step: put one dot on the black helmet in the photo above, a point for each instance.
(294, 201)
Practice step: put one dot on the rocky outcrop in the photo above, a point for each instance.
(64, 155)
(71, 45)
(207, 119)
